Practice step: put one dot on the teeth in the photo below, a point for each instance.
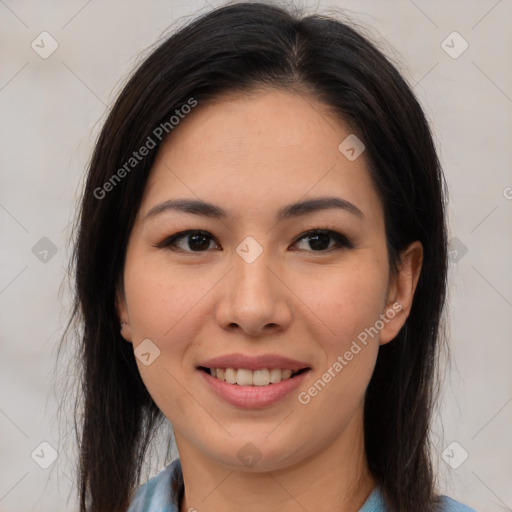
(286, 374)
(245, 377)
(261, 377)
(230, 375)
(275, 375)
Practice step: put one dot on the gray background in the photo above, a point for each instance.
(52, 110)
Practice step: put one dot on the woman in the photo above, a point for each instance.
(261, 260)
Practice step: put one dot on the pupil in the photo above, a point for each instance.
(203, 242)
(317, 244)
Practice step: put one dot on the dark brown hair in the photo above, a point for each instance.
(243, 47)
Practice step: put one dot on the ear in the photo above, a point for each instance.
(401, 291)
(122, 314)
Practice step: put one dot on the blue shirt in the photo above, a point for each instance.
(164, 492)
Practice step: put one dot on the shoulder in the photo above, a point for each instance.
(375, 503)
(156, 494)
(450, 505)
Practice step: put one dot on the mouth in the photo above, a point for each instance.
(255, 378)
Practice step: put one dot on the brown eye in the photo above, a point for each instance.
(188, 241)
(319, 240)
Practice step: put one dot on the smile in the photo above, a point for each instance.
(247, 377)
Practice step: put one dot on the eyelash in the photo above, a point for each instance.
(341, 240)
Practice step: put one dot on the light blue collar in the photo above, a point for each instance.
(164, 493)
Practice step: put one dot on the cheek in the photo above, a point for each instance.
(349, 301)
(161, 306)
(160, 300)
(167, 307)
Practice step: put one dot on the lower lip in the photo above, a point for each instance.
(253, 397)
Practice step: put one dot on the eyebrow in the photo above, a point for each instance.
(199, 207)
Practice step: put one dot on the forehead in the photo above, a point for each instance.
(260, 149)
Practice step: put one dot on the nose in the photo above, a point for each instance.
(254, 298)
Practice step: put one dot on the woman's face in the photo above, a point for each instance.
(257, 289)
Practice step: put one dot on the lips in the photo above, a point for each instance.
(253, 381)
(259, 362)
(251, 396)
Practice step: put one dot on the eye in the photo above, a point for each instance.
(188, 241)
(319, 240)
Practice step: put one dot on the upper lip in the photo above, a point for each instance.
(254, 362)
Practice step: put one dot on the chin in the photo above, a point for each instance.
(256, 454)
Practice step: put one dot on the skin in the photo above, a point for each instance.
(252, 154)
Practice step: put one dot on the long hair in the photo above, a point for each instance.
(242, 47)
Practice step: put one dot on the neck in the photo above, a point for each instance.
(333, 479)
